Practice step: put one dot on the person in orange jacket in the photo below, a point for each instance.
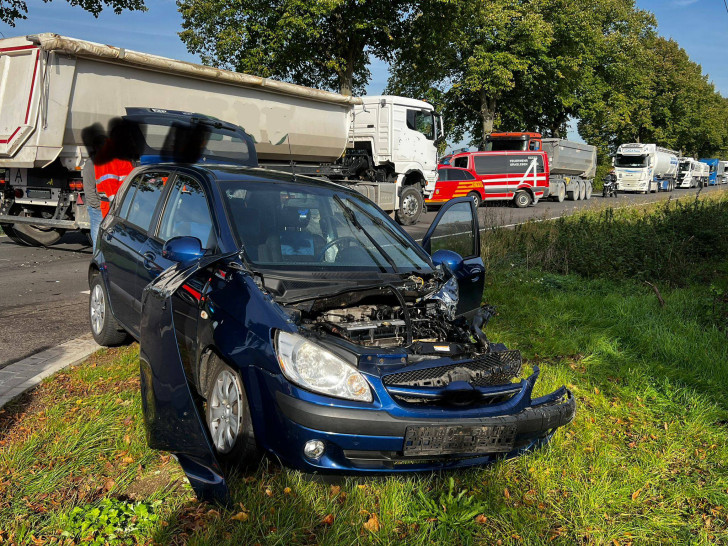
(115, 160)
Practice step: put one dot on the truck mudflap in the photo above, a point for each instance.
(173, 415)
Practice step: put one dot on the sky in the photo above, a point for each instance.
(699, 26)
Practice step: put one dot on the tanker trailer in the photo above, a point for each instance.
(645, 168)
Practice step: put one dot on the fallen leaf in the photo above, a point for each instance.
(328, 519)
(636, 494)
(507, 493)
(127, 439)
(372, 524)
(109, 484)
(335, 490)
(127, 460)
(240, 516)
(481, 519)
(269, 491)
(287, 491)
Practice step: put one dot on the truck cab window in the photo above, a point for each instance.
(187, 213)
(422, 122)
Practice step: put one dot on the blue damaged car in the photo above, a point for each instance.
(290, 316)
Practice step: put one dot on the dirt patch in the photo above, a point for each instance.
(145, 486)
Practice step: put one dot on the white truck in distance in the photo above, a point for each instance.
(692, 173)
(52, 87)
(645, 168)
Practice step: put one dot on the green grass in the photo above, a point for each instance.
(644, 462)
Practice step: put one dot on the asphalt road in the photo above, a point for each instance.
(44, 292)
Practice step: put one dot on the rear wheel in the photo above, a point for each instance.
(10, 232)
(475, 196)
(228, 418)
(582, 191)
(411, 204)
(37, 236)
(561, 193)
(589, 190)
(106, 330)
(522, 199)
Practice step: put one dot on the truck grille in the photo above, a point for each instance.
(487, 370)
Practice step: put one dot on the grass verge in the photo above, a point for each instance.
(646, 460)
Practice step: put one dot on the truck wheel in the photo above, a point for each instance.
(410, 206)
(589, 190)
(10, 232)
(582, 191)
(228, 418)
(475, 196)
(106, 331)
(522, 199)
(37, 236)
(561, 194)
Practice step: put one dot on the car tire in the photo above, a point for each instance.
(228, 417)
(106, 330)
(522, 199)
(411, 204)
(475, 196)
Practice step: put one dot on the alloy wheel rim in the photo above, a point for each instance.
(226, 413)
(98, 309)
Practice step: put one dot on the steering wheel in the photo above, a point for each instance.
(335, 242)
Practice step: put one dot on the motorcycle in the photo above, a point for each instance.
(610, 188)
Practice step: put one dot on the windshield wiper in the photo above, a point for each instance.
(352, 218)
(380, 223)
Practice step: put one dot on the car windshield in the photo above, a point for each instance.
(630, 161)
(297, 226)
(507, 144)
(685, 166)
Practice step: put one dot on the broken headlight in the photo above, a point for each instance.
(316, 369)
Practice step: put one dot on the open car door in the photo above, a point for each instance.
(453, 239)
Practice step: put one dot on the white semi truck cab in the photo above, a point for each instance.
(692, 173)
(645, 168)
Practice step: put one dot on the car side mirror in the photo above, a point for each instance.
(450, 260)
(183, 249)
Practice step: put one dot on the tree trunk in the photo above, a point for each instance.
(487, 114)
(346, 82)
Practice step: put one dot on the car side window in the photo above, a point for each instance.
(141, 199)
(461, 162)
(187, 213)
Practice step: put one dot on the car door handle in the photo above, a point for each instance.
(149, 260)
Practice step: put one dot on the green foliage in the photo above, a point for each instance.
(673, 242)
(12, 10)
(450, 510)
(319, 44)
(111, 520)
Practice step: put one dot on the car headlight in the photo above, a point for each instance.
(316, 369)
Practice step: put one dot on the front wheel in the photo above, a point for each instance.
(522, 199)
(106, 330)
(228, 418)
(411, 204)
(475, 196)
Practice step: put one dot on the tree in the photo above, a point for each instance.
(325, 44)
(12, 10)
(471, 54)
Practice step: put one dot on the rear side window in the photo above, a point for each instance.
(491, 164)
(142, 198)
(187, 213)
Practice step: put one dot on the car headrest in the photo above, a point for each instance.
(247, 221)
(295, 217)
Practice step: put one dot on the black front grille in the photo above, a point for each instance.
(484, 371)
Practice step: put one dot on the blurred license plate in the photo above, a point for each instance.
(37, 194)
(459, 439)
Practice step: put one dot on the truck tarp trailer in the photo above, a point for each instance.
(52, 87)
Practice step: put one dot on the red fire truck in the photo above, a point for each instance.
(521, 176)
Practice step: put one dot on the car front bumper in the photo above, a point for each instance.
(367, 441)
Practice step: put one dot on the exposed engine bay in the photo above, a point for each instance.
(419, 315)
